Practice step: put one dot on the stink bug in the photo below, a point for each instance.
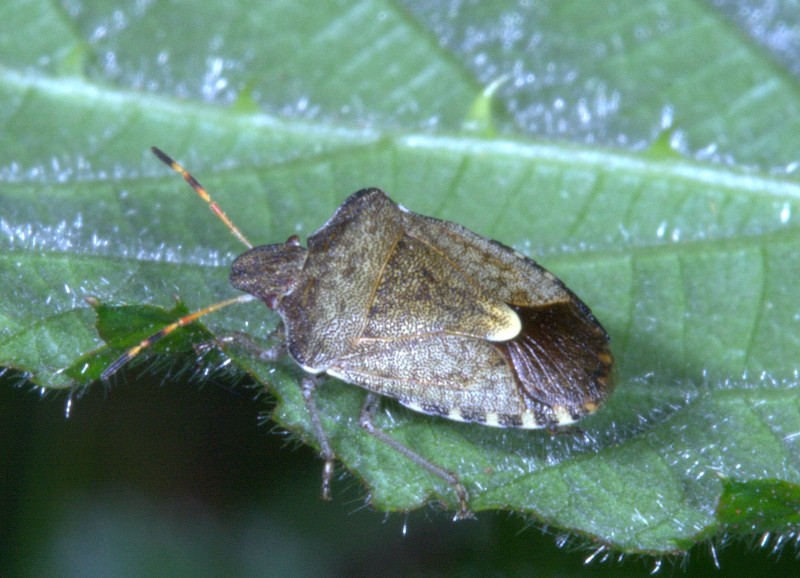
(445, 321)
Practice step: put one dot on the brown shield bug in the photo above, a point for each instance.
(445, 321)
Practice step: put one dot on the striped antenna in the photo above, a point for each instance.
(185, 320)
(200, 190)
(160, 334)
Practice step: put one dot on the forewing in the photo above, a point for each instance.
(448, 375)
(561, 356)
(420, 293)
(498, 270)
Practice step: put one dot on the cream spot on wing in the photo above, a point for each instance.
(563, 417)
(455, 414)
(508, 326)
(529, 421)
(492, 419)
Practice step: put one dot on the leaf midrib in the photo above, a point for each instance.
(91, 95)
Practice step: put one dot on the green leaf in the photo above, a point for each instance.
(760, 506)
(283, 109)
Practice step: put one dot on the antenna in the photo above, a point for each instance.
(185, 320)
(200, 190)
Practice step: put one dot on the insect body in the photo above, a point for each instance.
(445, 321)
(424, 311)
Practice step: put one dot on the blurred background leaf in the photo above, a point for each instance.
(643, 151)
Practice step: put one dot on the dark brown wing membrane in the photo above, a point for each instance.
(561, 358)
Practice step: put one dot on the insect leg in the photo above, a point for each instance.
(308, 386)
(367, 421)
(243, 340)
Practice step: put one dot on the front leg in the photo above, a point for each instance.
(308, 387)
(247, 343)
